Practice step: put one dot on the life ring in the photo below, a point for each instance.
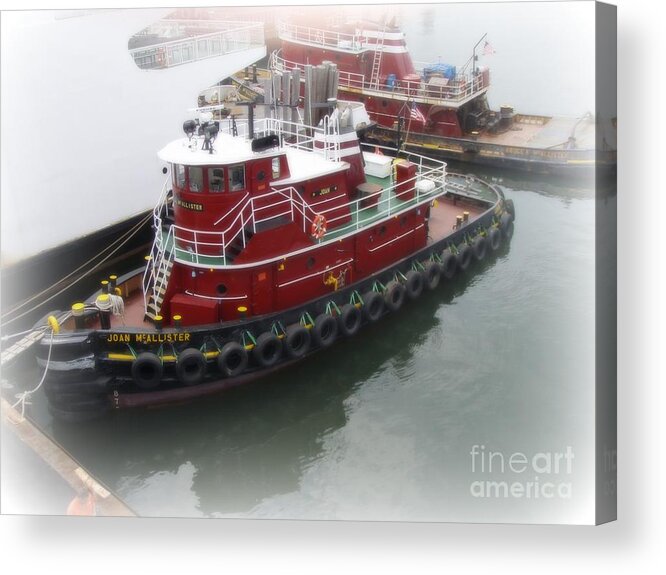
(414, 284)
(296, 340)
(190, 366)
(506, 225)
(267, 350)
(147, 370)
(325, 330)
(432, 273)
(449, 264)
(373, 306)
(318, 228)
(480, 247)
(394, 296)
(232, 359)
(495, 239)
(464, 256)
(349, 319)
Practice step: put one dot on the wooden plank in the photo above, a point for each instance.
(53, 454)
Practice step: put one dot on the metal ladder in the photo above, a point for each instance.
(377, 60)
(161, 262)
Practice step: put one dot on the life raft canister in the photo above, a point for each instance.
(318, 228)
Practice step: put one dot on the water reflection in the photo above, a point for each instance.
(227, 454)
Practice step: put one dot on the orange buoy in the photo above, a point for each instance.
(83, 504)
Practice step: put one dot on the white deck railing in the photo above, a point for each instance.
(233, 37)
(210, 247)
(459, 89)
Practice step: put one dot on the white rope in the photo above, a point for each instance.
(24, 397)
(124, 239)
(114, 304)
(27, 331)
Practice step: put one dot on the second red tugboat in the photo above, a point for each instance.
(272, 240)
(440, 109)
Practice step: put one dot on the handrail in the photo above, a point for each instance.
(387, 206)
(193, 48)
(462, 87)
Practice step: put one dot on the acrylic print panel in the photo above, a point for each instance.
(487, 399)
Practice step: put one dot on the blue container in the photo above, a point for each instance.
(391, 81)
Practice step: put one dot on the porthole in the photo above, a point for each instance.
(403, 221)
(221, 289)
(384, 103)
(261, 175)
(382, 231)
(310, 263)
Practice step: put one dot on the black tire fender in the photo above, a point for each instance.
(373, 306)
(233, 359)
(394, 296)
(78, 416)
(414, 284)
(190, 366)
(267, 350)
(506, 224)
(464, 256)
(349, 320)
(433, 273)
(494, 239)
(508, 204)
(296, 341)
(480, 247)
(147, 370)
(325, 330)
(449, 264)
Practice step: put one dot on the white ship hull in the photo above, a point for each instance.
(81, 123)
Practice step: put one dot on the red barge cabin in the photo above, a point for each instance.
(272, 240)
(440, 109)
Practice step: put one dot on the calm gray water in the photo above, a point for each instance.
(381, 427)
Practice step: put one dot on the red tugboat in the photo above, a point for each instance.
(272, 241)
(439, 110)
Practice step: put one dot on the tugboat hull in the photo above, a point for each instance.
(93, 371)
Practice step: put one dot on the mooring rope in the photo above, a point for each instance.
(24, 397)
(124, 239)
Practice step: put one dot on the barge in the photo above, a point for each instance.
(440, 110)
(273, 240)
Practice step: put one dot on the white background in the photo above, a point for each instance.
(635, 543)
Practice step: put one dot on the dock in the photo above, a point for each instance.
(57, 458)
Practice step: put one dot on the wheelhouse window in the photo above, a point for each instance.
(236, 177)
(275, 164)
(216, 180)
(195, 176)
(179, 176)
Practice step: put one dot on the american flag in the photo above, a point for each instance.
(488, 50)
(416, 114)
